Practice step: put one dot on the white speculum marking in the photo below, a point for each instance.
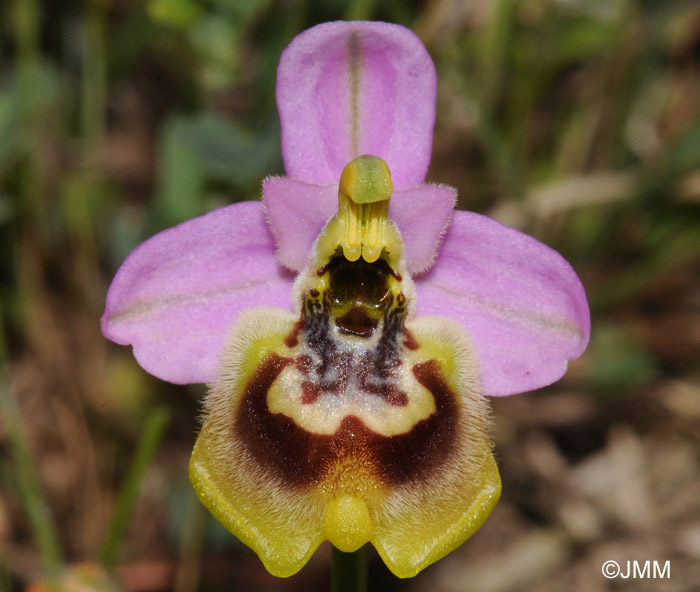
(351, 385)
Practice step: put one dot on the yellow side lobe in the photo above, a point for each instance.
(415, 527)
(284, 527)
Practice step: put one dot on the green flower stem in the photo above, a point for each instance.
(349, 571)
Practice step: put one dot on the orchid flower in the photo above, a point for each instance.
(350, 325)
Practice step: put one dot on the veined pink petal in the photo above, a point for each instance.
(297, 212)
(350, 88)
(522, 302)
(176, 295)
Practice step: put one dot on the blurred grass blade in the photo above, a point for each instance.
(360, 10)
(5, 585)
(496, 47)
(93, 85)
(148, 445)
(181, 176)
(196, 150)
(188, 575)
(28, 485)
(25, 475)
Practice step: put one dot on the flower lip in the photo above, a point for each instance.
(347, 438)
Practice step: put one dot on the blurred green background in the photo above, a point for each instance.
(577, 121)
